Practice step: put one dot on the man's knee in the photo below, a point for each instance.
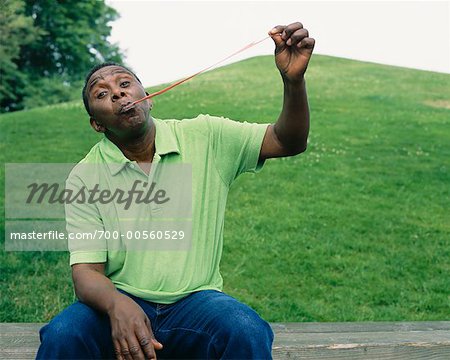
(244, 334)
(246, 324)
(60, 330)
(75, 320)
(235, 321)
(68, 333)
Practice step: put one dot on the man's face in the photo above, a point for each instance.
(109, 90)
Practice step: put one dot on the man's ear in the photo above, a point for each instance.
(96, 126)
(150, 101)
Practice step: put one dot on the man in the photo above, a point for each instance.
(136, 305)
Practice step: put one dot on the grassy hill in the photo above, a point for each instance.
(357, 228)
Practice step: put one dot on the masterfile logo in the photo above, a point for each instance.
(94, 206)
(140, 193)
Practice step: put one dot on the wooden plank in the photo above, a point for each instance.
(19, 341)
(370, 326)
(365, 340)
(366, 352)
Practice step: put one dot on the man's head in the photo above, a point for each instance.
(108, 88)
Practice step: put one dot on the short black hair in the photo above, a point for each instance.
(92, 71)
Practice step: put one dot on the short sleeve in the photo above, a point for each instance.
(83, 223)
(236, 146)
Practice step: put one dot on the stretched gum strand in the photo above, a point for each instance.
(159, 92)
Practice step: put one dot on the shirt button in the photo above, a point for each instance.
(132, 166)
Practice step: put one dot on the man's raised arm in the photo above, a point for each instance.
(293, 49)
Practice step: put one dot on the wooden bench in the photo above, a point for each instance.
(365, 340)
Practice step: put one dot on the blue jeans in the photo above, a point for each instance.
(206, 324)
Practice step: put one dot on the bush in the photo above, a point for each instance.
(48, 91)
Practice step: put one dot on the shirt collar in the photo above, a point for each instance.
(165, 143)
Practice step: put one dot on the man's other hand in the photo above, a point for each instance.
(293, 49)
(132, 334)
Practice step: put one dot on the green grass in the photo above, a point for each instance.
(357, 228)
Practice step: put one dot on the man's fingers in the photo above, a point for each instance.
(156, 344)
(135, 349)
(289, 35)
(275, 34)
(124, 351)
(117, 350)
(147, 345)
(297, 36)
(277, 29)
(290, 29)
(307, 43)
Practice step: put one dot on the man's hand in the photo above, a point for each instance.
(132, 334)
(293, 49)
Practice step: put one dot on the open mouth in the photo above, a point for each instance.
(127, 109)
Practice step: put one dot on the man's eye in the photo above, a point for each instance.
(124, 83)
(101, 94)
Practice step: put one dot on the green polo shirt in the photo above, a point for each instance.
(216, 151)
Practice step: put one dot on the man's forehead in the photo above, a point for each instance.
(108, 70)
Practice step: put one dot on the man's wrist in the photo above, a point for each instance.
(113, 301)
(294, 87)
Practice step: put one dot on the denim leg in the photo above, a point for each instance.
(205, 325)
(81, 332)
(212, 325)
(78, 332)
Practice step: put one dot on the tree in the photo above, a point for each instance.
(16, 30)
(71, 37)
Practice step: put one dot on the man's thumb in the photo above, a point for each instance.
(275, 34)
(156, 344)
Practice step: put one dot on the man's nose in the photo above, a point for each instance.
(117, 94)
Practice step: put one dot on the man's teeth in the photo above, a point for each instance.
(127, 108)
